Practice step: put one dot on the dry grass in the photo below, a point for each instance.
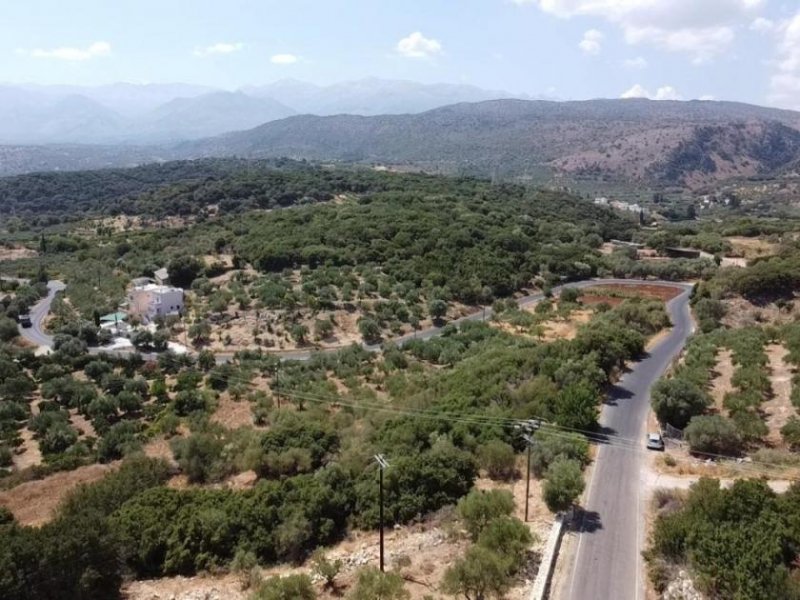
(232, 414)
(16, 252)
(749, 248)
(35, 502)
(565, 329)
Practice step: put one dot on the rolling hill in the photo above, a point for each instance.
(691, 144)
(686, 143)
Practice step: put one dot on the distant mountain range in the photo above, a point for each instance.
(686, 143)
(153, 113)
(690, 144)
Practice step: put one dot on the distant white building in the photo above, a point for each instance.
(151, 300)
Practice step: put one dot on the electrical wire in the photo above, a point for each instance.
(593, 437)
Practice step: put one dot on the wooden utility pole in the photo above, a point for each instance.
(528, 442)
(382, 464)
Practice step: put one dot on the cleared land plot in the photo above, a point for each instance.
(34, 502)
(778, 409)
(748, 248)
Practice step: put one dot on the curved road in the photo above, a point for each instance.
(39, 311)
(607, 561)
(610, 530)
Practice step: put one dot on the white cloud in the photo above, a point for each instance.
(666, 92)
(707, 97)
(417, 45)
(762, 25)
(95, 50)
(284, 59)
(636, 91)
(702, 29)
(635, 63)
(219, 48)
(592, 41)
(785, 81)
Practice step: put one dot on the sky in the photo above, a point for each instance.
(744, 50)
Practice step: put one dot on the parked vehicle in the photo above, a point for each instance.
(25, 321)
(655, 441)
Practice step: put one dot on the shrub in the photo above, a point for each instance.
(791, 432)
(291, 587)
(713, 434)
(479, 508)
(498, 459)
(480, 574)
(675, 401)
(550, 446)
(564, 484)
(509, 538)
(372, 584)
(120, 439)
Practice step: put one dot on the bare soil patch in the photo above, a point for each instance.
(28, 454)
(643, 290)
(566, 329)
(35, 502)
(779, 408)
(16, 253)
(82, 424)
(232, 414)
(721, 383)
(740, 312)
(160, 448)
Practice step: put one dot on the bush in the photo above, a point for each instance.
(325, 569)
(509, 538)
(372, 584)
(480, 574)
(550, 446)
(199, 457)
(564, 484)
(479, 508)
(498, 459)
(713, 434)
(675, 401)
(291, 587)
(8, 329)
(791, 432)
(120, 439)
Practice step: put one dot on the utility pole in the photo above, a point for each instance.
(527, 428)
(528, 442)
(382, 464)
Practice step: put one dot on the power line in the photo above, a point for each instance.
(610, 440)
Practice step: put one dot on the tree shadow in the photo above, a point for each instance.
(616, 393)
(585, 521)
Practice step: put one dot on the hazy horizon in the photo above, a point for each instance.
(561, 49)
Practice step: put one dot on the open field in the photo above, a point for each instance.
(35, 502)
(752, 247)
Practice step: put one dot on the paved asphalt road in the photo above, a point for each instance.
(35, 333)
(607, 562)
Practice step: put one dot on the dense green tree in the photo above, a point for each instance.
(713, 434)
(563, 485)
(677, 400)
(480, 575)
(479, 508)
(498, 459)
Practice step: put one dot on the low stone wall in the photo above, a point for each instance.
(542, 582)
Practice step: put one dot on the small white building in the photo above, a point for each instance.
(151, 300)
